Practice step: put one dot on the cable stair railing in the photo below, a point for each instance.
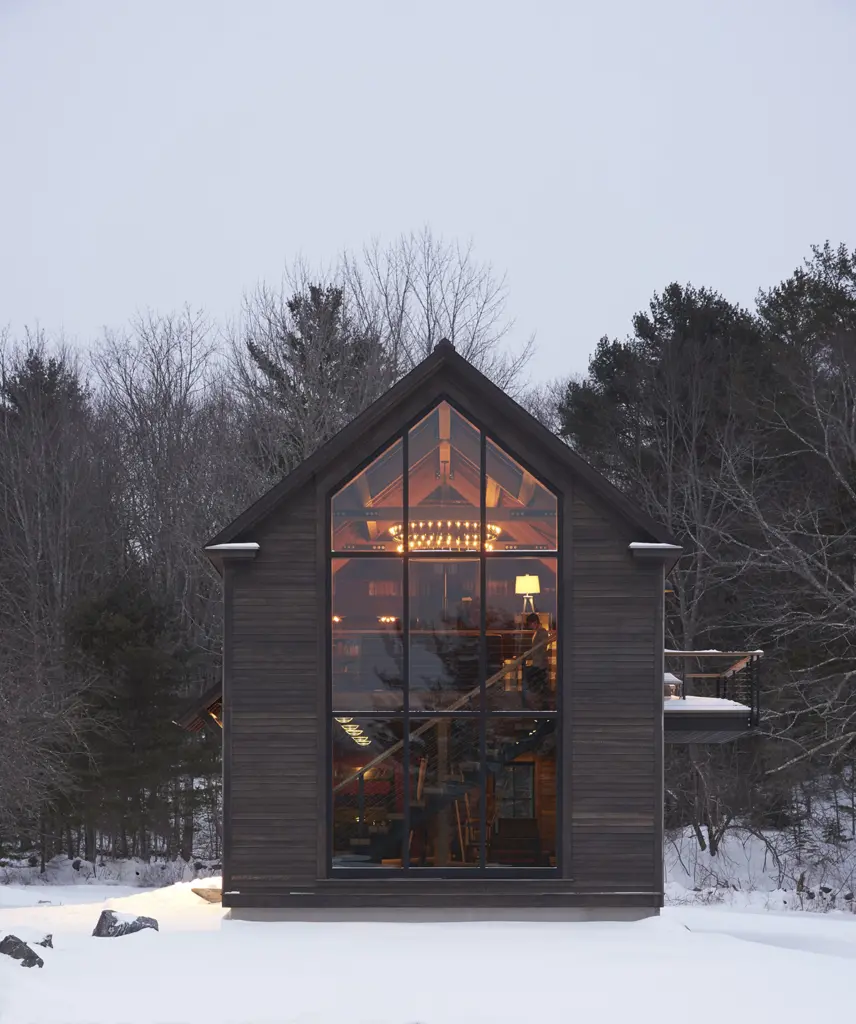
(510, 666)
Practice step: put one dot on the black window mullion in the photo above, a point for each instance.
(405, 654)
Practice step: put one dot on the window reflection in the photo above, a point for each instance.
(367, 611)
(445, 793)
(444, 633)
(521, 611)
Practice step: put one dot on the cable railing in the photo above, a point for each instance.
(740, 682)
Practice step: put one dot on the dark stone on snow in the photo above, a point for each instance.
(17, 949)
(47, 942)
(825, 890)
(110, 927)
(76, 864)
(848, 896)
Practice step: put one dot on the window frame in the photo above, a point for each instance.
(483, 713)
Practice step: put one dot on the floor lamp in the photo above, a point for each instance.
(528, 586)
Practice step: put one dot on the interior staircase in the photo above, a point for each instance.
(508, 841)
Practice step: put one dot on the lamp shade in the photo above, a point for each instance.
(527, 585)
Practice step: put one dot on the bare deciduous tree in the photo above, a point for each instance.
(421, 289)
(802, 503)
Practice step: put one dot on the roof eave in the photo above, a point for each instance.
(444, 355)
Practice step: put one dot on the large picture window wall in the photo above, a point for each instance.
(445, 687)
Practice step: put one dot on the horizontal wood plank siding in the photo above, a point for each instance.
(613, 807)
(272, 705)
(276, 721)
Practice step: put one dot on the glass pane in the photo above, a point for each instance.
(445, 479)
(522, 515)
(368, 792)
(365, 509)
(515, 790)
(522, 635)
(445, 793)
(444, 634)
(368, 610)
(521, 792)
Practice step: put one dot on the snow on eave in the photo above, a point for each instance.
(246, 546)
(710, 650)
(638, 545)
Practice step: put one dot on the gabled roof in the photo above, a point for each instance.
(444, 361)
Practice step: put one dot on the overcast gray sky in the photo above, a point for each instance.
(155, 153)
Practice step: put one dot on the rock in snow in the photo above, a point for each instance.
(19, 950)
(111, 925)
(47, 942)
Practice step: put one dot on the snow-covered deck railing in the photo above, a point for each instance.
(734, 689)
(704, 704)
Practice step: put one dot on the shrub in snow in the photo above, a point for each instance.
(111, 925)
(19, 950)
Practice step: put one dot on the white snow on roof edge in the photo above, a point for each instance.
(709, 650)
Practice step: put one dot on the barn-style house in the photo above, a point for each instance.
(444, 678)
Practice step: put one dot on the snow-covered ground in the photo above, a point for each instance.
(702, 963)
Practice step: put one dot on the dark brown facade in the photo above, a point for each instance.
(560, 803)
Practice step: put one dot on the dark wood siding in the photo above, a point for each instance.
(271, 705)
(610, 778)
(613, 807)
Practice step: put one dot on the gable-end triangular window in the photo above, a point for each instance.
(366, 510)
(521, 511)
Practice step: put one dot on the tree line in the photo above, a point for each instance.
(735, 428)
(117, 466)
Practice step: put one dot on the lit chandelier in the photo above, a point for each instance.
(445, 535)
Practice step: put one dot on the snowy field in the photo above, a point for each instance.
(702, 963)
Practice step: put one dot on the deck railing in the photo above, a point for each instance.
(740, 681)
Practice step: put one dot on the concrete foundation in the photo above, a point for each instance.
(422, 915)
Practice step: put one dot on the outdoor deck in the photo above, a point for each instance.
(702, 705)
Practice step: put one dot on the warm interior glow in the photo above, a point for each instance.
(445, 535)
(354, 731)
(527, 585)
